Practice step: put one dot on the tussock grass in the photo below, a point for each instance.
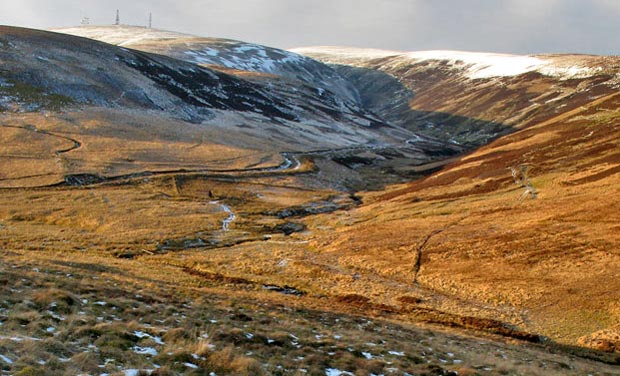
(69, 304)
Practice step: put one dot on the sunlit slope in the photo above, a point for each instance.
(548, 265)
(76, 106)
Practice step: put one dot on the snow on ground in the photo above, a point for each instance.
(145, 351)
(474, 64)
(348, 53)
(140, 334)
(121, 35)
(244, 56)
(228, 53)
(336, 372)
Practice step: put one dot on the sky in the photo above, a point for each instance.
(508, 26)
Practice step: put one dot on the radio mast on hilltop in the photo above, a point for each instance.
(118, 18)
(150, 20)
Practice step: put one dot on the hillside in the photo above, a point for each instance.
(224, 53)
(203, 111)
(177, 205)
(547, 265)
(467, 97)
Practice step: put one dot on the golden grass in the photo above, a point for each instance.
(102, 279)
(111, 144)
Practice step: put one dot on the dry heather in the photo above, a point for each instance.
(547, 265)
(74, 312)
(449, 274)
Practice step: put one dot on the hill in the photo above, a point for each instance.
(206, 112)
(538, 263)
(182, 205)
(469, 97)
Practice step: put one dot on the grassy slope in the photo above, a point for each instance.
(67, 251)
(547, 265)
(86, 271)
(111, 143)
(70, 313)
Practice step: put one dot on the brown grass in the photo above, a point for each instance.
(499, 267)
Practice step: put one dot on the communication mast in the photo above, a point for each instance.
(118, 18)
(150, 20)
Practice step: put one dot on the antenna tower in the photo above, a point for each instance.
(118, 18)
(150, 20)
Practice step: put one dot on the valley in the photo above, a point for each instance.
(180, 205)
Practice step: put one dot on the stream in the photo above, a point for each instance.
(231, 215)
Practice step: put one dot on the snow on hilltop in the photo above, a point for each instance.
(209, 51)
(475, 65)
(122, 35)
(226, 53)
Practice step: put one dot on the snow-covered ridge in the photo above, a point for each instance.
(244, 56)
(212, 51)
(121, 35)
(475, 65)
(227, 53)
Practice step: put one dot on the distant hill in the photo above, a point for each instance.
(280, 102)
(470, 97)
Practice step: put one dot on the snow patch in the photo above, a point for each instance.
(483, 65)
(145, 351)
(121, 35)
(475, 65)
(336, 372)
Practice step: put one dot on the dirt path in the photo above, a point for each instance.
(31, 128)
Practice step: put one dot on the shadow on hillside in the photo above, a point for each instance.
(444, 136)
(386, 96)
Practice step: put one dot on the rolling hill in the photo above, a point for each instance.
(470, 97)
(98, 84)
(172, 204)
(491, 242)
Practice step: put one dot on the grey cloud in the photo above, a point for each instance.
(517, 26)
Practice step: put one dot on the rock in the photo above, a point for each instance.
(290, 227)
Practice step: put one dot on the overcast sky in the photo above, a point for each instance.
(513, 26)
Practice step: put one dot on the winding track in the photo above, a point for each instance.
(291, 164)
(58, 153)
(31, 128)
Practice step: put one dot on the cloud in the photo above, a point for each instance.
(519, 26)
(534, 9)
(609, 5)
